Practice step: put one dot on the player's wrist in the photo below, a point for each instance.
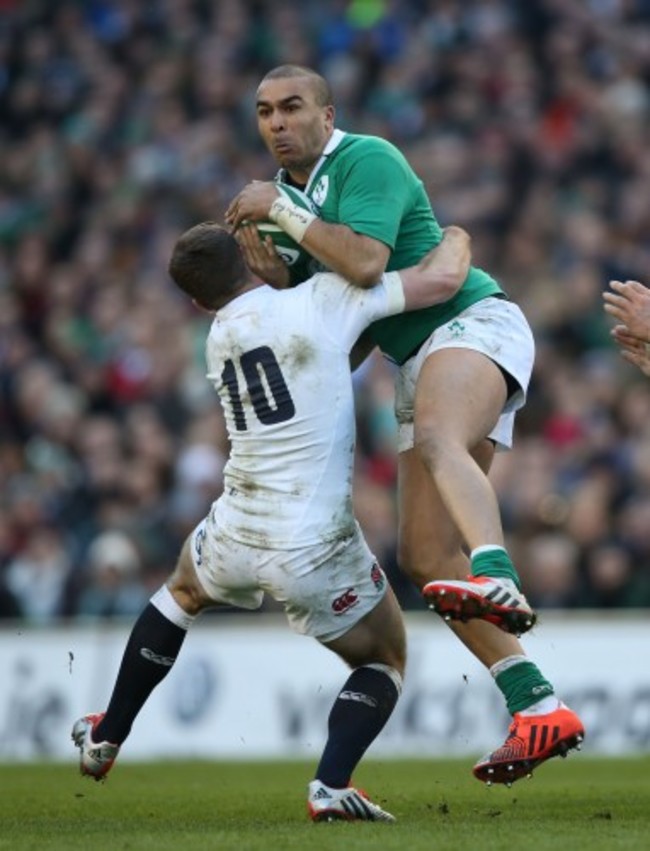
(293, 220)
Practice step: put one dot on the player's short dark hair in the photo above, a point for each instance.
(322, 90)
(208, 265)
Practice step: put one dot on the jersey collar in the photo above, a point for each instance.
(334, 141)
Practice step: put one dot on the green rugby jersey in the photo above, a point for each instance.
(366, 183)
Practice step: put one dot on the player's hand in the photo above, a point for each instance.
(633, 349)
(630, 305)
(252, 204)
(261, 257)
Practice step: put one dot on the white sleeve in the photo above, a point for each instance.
(395, 289)
(347, 310)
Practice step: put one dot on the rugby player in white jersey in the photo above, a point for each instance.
(284, 525)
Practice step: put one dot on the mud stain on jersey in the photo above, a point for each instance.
(244, 486)
(253, 537)
(245, 489)
(342, 525)
(298, 489)
(298, 355)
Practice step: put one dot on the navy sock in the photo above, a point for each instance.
(362, 708)
(150, 654)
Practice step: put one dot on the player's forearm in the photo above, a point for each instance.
(633, 349)
(440, 273)
(637, 357)
(359, 259)
(449, 262)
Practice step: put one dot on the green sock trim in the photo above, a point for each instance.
(495, 563)
(522, 685)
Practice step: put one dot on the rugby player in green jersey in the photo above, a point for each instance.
(464, 368)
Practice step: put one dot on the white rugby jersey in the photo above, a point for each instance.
(279, 360)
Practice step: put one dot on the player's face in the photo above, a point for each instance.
(294, 127)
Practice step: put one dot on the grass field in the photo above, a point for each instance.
(578, 803)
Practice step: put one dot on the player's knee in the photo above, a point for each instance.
(434, 445)
(410, 566)
(395, 675)
(420, 563)
(389, 645)
(398, 662)
(390, 656)
(188, 597)
(185, 587)
(424, 564)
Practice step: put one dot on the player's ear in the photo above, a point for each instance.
(201, 307)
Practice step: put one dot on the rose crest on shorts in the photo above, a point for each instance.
(346, 601)
(377, 576)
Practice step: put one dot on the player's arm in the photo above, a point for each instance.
(357, 258)
(440, 273)
(633, 350)
(629, 303)
(436, 278)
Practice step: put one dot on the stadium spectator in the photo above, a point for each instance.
(612, 579)
(551, 570)
(36, 576)
(110, 586)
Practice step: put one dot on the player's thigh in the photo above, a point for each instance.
(328, 588)
(225, 569)
(459, 396)
(184, 584)
(379, 637)
(429, 543)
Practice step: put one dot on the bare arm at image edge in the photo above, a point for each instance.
(629, 304)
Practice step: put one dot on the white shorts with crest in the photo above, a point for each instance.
(497, 328)
(325, 589)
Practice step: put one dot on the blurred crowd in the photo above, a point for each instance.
(124, 122)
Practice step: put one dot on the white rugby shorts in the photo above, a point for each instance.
(497, 328)
(325, 589)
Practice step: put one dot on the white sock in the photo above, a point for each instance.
(505, 663)
(164, 601)
(486, 548)
(543, 706)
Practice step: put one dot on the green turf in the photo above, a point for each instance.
(578, 803)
